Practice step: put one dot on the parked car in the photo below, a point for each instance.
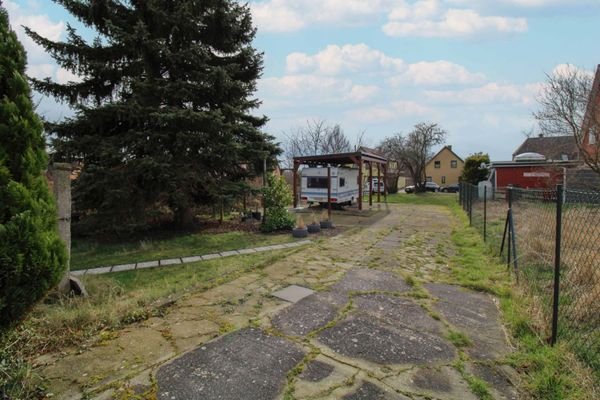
(429, 187)
(432, 187)
(450, 189)
(376, 186)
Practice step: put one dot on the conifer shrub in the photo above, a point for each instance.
(277, 197)
(32, 257)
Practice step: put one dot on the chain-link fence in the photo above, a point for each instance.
(551, 239)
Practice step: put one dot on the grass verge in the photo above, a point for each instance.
(428, 198)
(87, 253)
(546, 372)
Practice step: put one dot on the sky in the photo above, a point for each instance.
(475, 67)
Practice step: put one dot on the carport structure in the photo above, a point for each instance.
(359, 158)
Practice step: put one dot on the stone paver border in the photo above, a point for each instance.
(184, 260)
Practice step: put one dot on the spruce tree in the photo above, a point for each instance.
(32, 257)
(163, 111)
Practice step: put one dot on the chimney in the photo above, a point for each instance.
(541, 135)
(449, 147)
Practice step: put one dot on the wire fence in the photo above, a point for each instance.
(551, 240)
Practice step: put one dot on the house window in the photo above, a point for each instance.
(438, 164)
(443, 179)
(429, 179)
(342, 182)
(453, 164)
(314, 182)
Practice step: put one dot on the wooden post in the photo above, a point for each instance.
(329, 191)
(360, 185)
(370, 184)
(378, 183)
(295, 183)
(385, 188)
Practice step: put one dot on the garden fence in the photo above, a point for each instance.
(551, 240)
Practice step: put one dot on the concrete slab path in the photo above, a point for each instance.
(379, 326)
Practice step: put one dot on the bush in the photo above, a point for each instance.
(32, 257)
(277, 197)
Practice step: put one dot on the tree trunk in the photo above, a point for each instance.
(184, 217)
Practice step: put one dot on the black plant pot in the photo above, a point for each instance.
(326, 225)
(314, 228)
(257, 215)
(300, 232)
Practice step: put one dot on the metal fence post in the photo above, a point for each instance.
(557, 245)
(470, 205)
(508, 225)
(485, 213)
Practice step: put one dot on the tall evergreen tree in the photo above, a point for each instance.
(32, 257)
(163, 111)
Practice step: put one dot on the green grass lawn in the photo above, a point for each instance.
(428, 198)
(90, 254)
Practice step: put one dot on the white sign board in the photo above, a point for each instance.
(536, 174)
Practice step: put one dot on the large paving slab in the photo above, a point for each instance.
(365, 280)
(396, 311)
(440, 383)
(248, 364)
(474, 314)
(310, 313)
(365, 337)
(370, 391)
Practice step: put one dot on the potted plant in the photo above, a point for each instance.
(300, 230)
(314, 226)
(325, 222)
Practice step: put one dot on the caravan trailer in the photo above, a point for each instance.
(344, 185)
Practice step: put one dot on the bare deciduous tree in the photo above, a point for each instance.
(317, 138)
(414, 150)
(567, 108)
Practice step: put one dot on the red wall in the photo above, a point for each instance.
(515, 176)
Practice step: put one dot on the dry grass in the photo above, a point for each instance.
(535, 227)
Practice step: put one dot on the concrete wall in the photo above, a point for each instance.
(61, 186)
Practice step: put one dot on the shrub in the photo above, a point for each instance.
(277, 197)
(32, 257)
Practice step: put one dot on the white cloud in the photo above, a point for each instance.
(425, 18)
(40, 23)
(452, 23)
(334, 60)
(64, 76)
(307, 89)
(359, 58)
(362, 93)
(437, 73)
(391, 112)
(41, 71)
(491, 93)
(568, 69)
(293, 15)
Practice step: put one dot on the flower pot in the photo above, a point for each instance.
(326, 224)
(300, 232)
(313, 228)
(257, 215)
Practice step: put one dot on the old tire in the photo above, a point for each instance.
(326, 225)
(300, 232)
(313, 228)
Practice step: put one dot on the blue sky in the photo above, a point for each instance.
(381, 66)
